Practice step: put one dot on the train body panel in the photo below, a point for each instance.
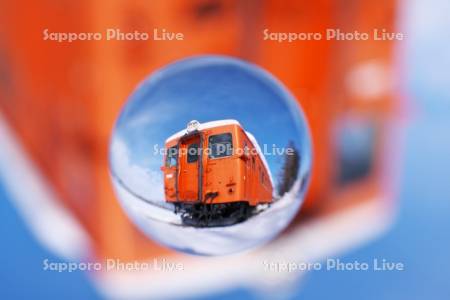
(216, 163)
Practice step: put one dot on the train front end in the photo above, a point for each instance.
(203, 175)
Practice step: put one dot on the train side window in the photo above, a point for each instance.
(172, 155)
(192, 153)
(220, 145)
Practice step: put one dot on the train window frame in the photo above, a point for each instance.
(192, 158)
(172, 154)
(229, 151)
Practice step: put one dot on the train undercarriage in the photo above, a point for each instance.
(213, 214)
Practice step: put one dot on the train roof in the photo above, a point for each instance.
(203, 126)
(261, 154)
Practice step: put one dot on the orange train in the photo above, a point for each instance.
(215, 174)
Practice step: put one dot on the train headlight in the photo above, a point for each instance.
(192, 126)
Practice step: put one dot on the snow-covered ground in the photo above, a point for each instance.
(164, 226)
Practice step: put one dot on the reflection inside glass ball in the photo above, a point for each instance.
(211, 155)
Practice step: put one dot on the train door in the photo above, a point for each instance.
(247, 174)
(188, 173)
(170, 171)
(254, 178)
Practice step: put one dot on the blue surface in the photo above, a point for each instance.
(21, 264)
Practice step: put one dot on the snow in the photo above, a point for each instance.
(165, 226)
(155, 211)
(204, 126)
(145, 182)
(263, 158)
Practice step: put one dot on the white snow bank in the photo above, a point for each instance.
(164, 226)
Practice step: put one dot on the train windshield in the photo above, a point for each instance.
(193, 153)
(220, 145)
(172, 155)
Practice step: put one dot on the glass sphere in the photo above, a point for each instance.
(211, 155)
